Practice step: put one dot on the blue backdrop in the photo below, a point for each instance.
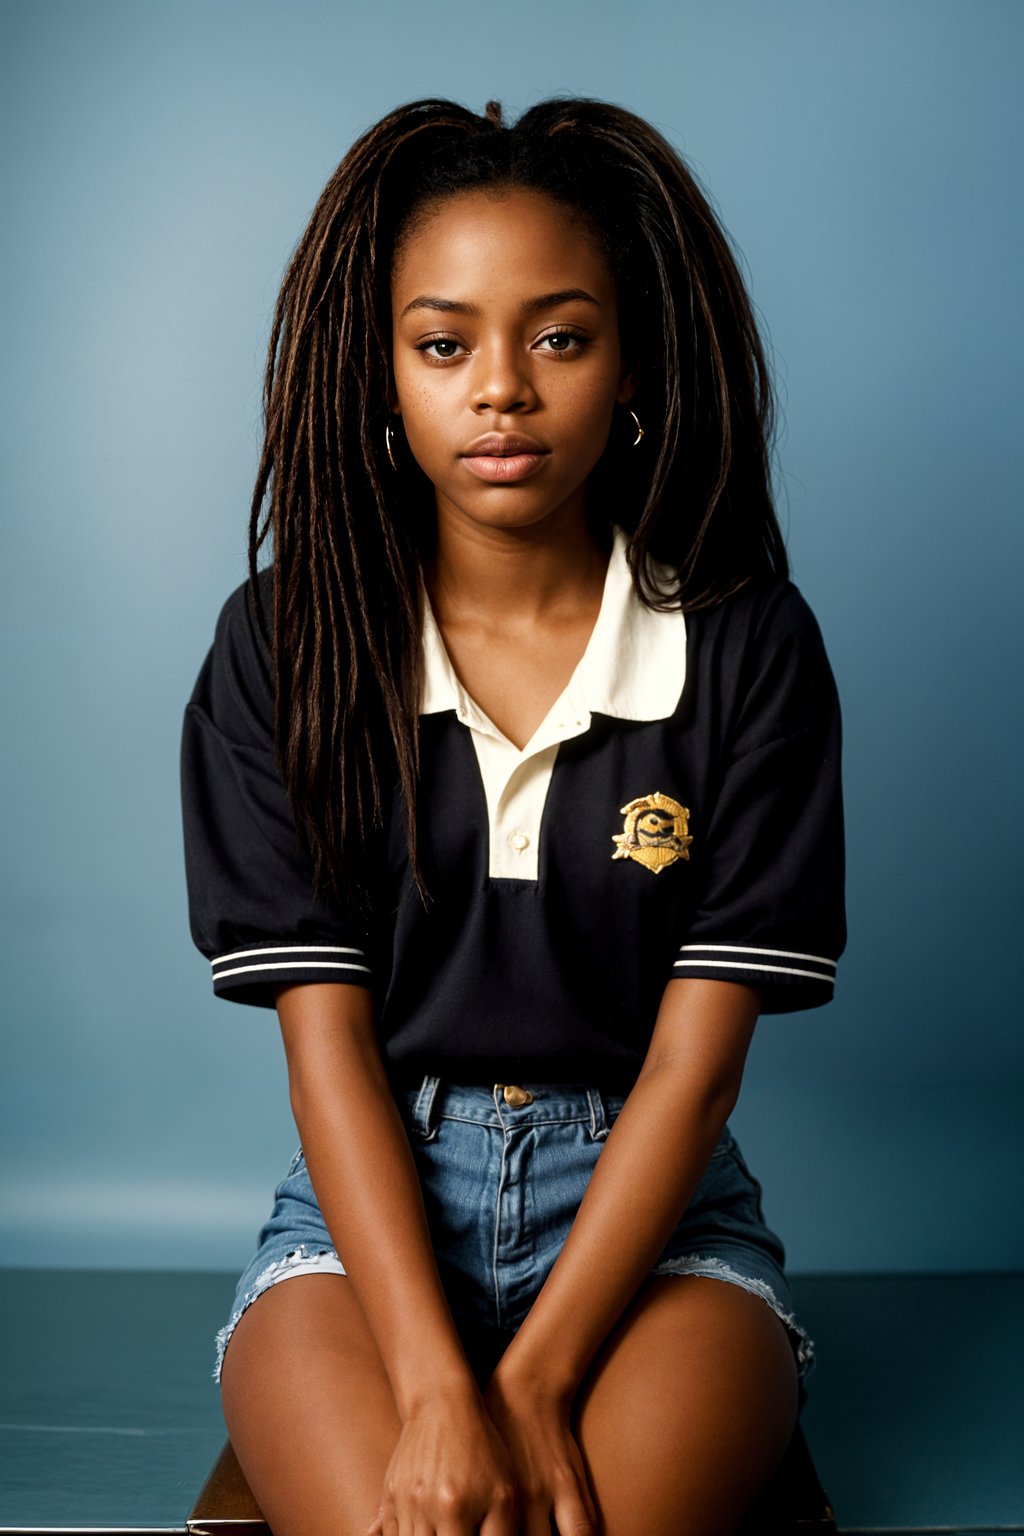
(160, 161)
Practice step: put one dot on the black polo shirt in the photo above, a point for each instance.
(677, 814)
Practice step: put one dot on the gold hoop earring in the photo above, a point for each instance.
(389, 440)
(639, 429)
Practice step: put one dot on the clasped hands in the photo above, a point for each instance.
(502, 1464)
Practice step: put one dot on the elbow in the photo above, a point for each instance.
(725, 1100)
(703, 1097)
(715, 1100)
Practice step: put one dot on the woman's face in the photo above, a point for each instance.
(506, 356)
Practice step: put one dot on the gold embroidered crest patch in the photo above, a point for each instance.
(655, 832)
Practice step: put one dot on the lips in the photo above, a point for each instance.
(504, 457)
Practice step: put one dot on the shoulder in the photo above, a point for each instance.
(763, 609)
(237, 679)
(760, 652)
(763, 620)
(239, 629)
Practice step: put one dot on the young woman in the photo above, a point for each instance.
(513, 784)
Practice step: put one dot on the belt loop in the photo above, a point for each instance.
(599, 1126)
(423, 1118)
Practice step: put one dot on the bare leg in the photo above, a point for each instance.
(309, 1408)
(687, 1410)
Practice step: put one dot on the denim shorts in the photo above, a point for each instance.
(503, 1170)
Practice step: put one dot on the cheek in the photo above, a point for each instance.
(425, 420)
(589, 414)
(420, 399)
(593, 395)
(426, 426)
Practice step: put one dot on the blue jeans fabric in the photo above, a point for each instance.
(501, 1184)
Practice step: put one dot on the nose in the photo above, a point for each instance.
(501, 381)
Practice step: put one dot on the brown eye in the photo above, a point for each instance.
(439, 347)
(563, 341)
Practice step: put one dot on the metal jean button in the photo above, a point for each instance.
(514, 1096)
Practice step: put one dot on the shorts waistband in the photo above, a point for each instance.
(526, 1103)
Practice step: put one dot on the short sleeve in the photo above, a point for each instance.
(253, 908)
(770, 909)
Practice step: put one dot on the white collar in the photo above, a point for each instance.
(633, 668)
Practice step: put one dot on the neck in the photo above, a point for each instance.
(510, 576)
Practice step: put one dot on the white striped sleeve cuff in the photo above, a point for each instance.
(768, 969)
(272, 965)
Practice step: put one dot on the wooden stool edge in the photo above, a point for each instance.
(226, 1501)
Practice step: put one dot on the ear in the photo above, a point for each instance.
(627, 384)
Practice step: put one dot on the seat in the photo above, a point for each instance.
(226, 1499)
(794, 1502)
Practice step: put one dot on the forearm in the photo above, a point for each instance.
(643, 1181)
(362, 1170)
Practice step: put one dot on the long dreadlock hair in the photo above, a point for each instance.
(348, 533)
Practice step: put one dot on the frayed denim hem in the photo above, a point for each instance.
(716, 1269)
(303, 1260)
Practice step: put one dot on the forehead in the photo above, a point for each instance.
(500, 240)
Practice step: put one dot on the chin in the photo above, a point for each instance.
(508, 512)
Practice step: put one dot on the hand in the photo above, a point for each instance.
(450, 1475)
(549, 1471)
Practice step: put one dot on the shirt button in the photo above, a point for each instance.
(519, 841)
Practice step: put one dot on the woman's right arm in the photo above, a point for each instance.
(450, 1472)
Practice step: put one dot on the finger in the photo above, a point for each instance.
(501, 1523)
(502, 1518)
(536, 1519)
(583, 1487)
(415, 1521)
(384, 1520)
(588, 1500)
(572, 1517)
(454, 1525)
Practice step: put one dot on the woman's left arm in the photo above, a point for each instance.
(648, 1170)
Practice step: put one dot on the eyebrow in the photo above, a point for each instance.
(528, 306)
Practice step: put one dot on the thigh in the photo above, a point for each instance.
(309, 1408)
(687, 1409)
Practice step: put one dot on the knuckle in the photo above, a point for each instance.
(448, 1498)
(504, 1496)
(422, 1497)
